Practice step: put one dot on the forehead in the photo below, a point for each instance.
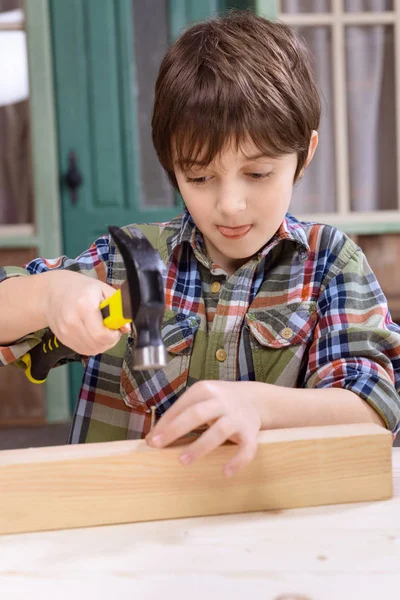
(231, 151)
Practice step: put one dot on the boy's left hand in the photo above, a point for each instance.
(232, 411)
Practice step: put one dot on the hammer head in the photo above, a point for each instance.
(143, 295)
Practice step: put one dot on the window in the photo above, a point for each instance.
(354, 180)
(16, 188)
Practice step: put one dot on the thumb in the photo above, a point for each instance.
(106, 290)
(126, 328)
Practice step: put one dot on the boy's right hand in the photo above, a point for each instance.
(71, 307)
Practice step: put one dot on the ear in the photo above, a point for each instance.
(312, 147)
(311, 151)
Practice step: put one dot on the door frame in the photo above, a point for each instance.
(47, 237)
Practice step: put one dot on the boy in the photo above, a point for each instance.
(269, 322)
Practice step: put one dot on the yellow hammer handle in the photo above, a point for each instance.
(112, 311)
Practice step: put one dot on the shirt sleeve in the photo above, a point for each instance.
(356, 345)
(94, 262)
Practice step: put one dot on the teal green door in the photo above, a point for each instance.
(106, 56)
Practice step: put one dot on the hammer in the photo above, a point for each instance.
(139, 300)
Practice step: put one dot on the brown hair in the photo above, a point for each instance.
(230, 78)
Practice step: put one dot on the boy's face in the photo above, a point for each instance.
(238, 203)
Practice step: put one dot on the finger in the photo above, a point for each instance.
(81, 340)
(243, 457)
(71, 332)
(87, 344)
(214, 437)
(198, 392)
(102, 337)
(126, 328)
(106, 290)
(191, 418)
(102, 341)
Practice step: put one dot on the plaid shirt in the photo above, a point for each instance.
(306, 311)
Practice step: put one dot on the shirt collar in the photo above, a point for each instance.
(290, 229)
(185, 232)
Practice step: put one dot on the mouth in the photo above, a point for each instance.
(234, 232)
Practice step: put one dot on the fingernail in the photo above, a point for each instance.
(156, 440)
(185, 458)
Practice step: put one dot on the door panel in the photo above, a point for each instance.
(104, 98)
(101, 33)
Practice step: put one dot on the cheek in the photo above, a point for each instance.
(197, 199)
(273, 202)
(283, 188)
(191, 197)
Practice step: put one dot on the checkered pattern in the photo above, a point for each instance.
(306, 311)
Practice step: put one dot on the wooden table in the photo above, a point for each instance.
(337, 552)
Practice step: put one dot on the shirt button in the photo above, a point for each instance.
(287, 333)
(215, 287)
(220, 355)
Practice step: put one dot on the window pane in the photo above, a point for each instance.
(16, 189)
(316, 192)
(305, 6)
(368, 5)
(8, 5)
(150, 23)
(371, 117)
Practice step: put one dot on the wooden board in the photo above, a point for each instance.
(342, 552)
(119, 482)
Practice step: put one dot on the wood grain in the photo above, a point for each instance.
(120, 482)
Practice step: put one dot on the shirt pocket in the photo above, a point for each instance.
(142, 389)
(279, 339)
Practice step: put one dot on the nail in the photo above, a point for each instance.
(185, 458)
(157, 440)
(153, 417)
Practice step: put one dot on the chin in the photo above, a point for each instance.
(245, 255)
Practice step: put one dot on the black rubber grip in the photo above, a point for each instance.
(46, 355)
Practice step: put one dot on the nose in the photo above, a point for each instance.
(231, 199)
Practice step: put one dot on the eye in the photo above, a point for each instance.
(259, 175)
(197, 180)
